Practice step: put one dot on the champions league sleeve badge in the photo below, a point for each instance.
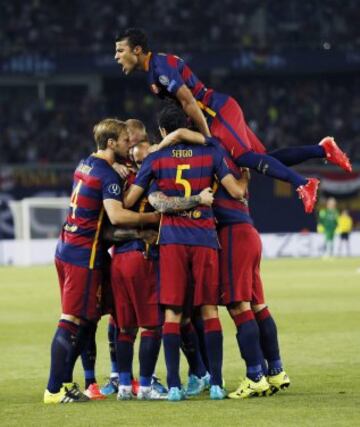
(164, 80)
(114, 189)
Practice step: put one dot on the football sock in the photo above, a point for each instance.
(214, 349)
(290, 156)
(148, 354)
(191, 350)
(112, 334)
(77, 348)
(61, 346)
(88, 356)
(269, 341)
(198, 324)
(248, 339)
(171, 340)
(270, 166)
(124, 357)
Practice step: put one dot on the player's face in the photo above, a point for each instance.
(121, 145)
(135, 136)
(126, 57)
(139, 154)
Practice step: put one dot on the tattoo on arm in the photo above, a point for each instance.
(165, 204)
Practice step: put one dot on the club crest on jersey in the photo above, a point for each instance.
(154, 89)
(114, 189)
(164, 80)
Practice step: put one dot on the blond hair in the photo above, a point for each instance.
(108, 129)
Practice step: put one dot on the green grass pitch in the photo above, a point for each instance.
(316, 305)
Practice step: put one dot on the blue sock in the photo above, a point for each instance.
(214, 349)
(124, 357)
(198, 324)
(270, 166)
(61, 346)
(171, 340)
(290, 156)
(269, 341)
(112, 334)
(88, 357)
(248, 339)
(79, 344)
(148, 354)
(191, 350)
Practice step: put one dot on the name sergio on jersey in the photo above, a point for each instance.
(182, 153)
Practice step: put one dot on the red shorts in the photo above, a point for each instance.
(240, 264)
(80, 290)
(230, 128)
(178, 263)
(134, 285)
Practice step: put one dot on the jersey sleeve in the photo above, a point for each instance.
(169, 77)
(221, 164)
(111, 186)
(152, 188)
(145, 174)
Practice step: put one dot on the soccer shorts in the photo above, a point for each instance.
(134, 285)
(240, 257)
(230, 127)
(177, 264)
(80, 290)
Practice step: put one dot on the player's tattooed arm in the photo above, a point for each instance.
(165, 204)
(118, 235)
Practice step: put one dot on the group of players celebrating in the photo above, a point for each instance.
(183, 243)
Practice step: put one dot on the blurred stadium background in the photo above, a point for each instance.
(293, 66)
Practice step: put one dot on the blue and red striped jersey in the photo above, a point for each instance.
(185, 170)
(166, 73)
(228, 210)
(141, 205)
(79, 243)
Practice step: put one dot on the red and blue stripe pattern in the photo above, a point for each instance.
(184, 171)
(79, 242)
(227, 210)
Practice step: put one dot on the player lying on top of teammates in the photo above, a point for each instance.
(221, 116)
(79, 254)
(241, 286)
(188, 243)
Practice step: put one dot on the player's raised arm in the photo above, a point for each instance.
(182, 135)
(165, 204)
(192, 109)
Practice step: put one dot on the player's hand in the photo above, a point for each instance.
(206, 197)
(122, 170)
(153, 148)
(150, 236)
(245, 173)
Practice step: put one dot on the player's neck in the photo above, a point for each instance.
(144, 60)
(107, 155)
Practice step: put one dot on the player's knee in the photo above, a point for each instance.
(209, 312)
(70, 318)
(173, 314)
(258, 307)
(238, 307)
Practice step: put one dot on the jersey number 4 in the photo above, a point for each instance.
(74, 198)
(182, 181)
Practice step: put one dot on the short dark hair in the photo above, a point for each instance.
(135, 37)
(171, 117)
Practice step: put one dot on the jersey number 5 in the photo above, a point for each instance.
(182, 181)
